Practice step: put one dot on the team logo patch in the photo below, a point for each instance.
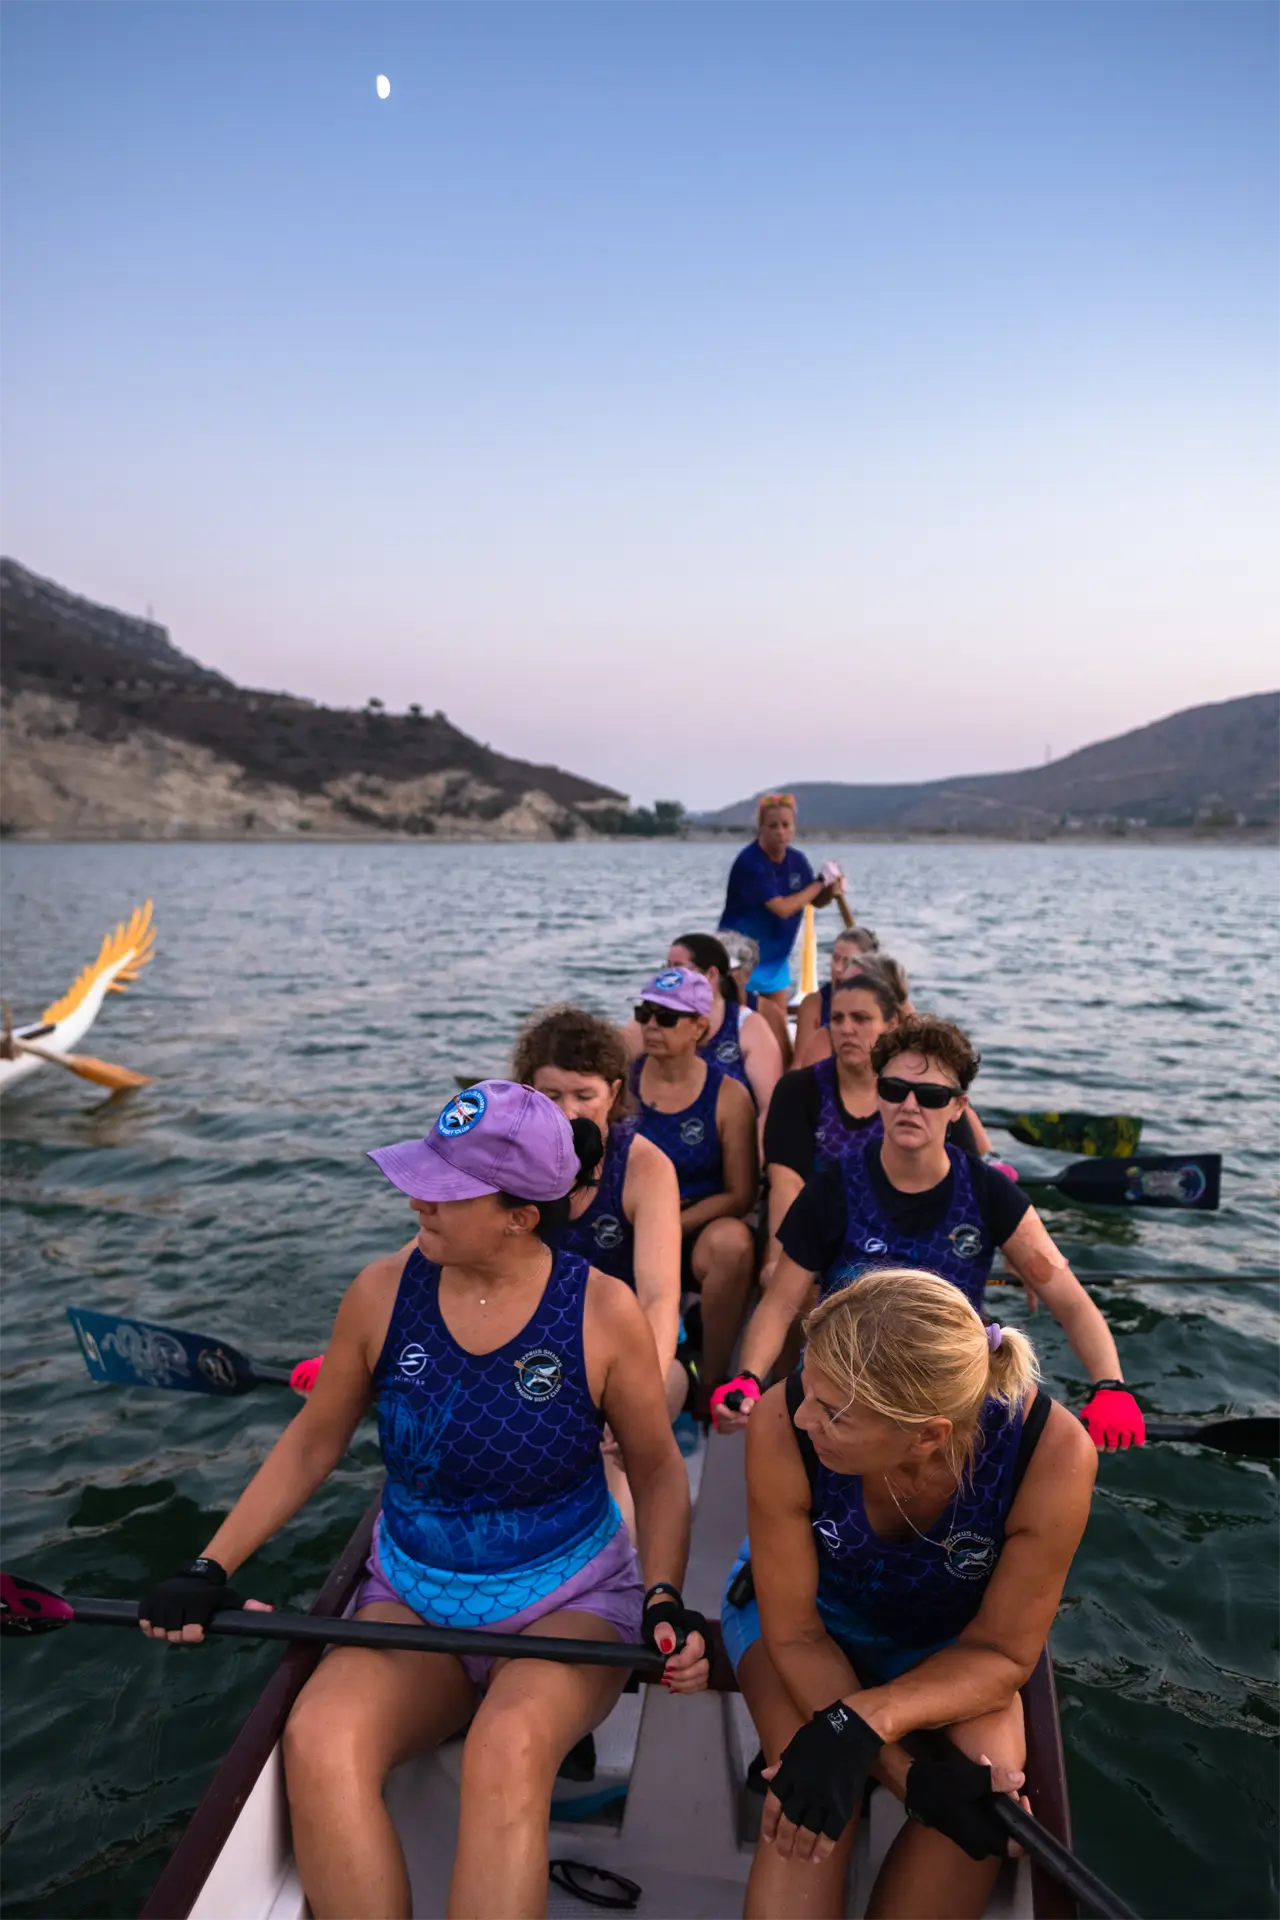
(875, 1246)
(967, 1241)
(693, 1133)
(795, 881)
(539, 1375)
(727, 1052)
(673, 977)
(413, 1358)
(216, 1368)
(970, 1556)
(1181, 1185)
(607, 1232)
(464, 1111)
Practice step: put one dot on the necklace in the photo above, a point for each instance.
(945, 1544)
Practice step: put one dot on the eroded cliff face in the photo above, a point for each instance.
(59, 782)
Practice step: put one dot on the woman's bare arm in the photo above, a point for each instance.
(316, 1438)
(651, 1201)
(736, 1125)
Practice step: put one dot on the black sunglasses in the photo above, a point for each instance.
(665, 1016)
(927, 1092)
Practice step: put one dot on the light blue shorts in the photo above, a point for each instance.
(771, 976)
(874, 1656)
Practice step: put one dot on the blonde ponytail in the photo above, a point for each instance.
(908, 1346)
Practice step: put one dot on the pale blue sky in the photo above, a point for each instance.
(696, 395)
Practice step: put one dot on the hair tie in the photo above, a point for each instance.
(995, 1334)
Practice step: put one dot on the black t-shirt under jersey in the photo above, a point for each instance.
(795, 1108)
(813, 1231)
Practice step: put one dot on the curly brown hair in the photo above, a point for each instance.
(937, 1039)
(576, 1042)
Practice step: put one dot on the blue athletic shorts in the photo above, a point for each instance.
(771, 976)
(874, 1656)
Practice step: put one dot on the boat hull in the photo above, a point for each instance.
(686, 1828)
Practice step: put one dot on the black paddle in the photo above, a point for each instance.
(1254, 1435)
(1093, 1894)
(1190, 1180)
(26, 1608)
(1004, 1278)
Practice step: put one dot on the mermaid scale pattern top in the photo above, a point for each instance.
(916, 1592)
(689, 1138)
(603, 1235)
(495, 1492)
(836, 1134)
(959, 1248)
(724, 1049)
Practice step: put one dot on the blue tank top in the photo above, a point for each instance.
(689, 1138)
(495, 1491)
(724, 1048)
(824, 994)
(836, 1134)
(603, 1235)
(916, 1592)
(960, 1247)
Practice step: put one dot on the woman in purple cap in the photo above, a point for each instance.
(493, 1362)
(705, 1123)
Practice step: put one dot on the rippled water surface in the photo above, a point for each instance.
(307, 1003)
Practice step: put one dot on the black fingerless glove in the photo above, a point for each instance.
(190, 1598)
(824, 1769)
(953, 1794)
(664, 1606)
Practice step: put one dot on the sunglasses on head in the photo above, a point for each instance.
(665, 1016)
(927, 1092)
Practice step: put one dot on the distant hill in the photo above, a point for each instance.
(1209, 767)
(111, 732)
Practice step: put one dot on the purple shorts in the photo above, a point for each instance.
(609, 1586)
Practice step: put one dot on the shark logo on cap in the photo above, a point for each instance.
(464, 1111)
(671, 978)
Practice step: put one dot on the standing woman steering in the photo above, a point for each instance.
(493, 1362)
(770, 885)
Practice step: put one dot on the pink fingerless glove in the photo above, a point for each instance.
(305, 1374)
(1113, 1419)
(744, 1385)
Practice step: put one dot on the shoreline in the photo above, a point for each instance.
(721, 836)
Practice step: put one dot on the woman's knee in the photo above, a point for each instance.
(321, 1741)
(509, 1760)
(724, 1243)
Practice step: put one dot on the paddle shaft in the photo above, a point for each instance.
(1058, 1860)
(387, 1634)
(1151, 1279)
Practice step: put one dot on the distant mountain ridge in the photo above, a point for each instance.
(110, 731)
(1213, 766)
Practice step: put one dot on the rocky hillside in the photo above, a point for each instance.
(110, 732)
(1206, 768)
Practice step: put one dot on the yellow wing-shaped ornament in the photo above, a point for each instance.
(121, 958)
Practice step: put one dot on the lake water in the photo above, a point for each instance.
(309, 1002)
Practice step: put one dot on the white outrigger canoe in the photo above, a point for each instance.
(120, 959)
(669, 1807)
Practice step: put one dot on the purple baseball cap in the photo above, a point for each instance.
(496, 1137)
(681, 988)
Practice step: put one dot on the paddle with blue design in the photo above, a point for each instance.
(136, 1353)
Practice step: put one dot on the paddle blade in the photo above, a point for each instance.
(1186, 1181)
(102, 1072)
(134, 1353)
(1106, 1135)
(27, 1607)
(1255, 1436)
